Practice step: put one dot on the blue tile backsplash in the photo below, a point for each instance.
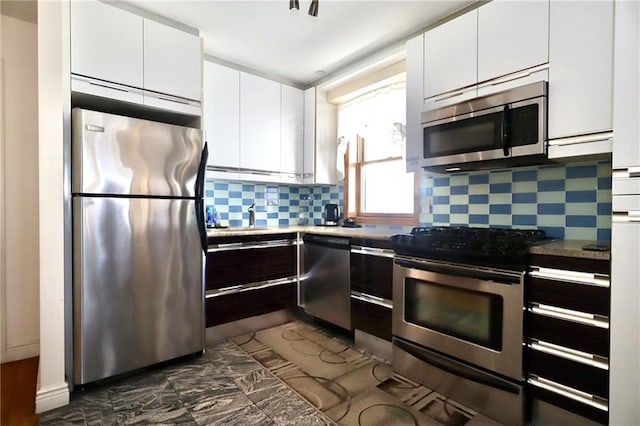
(276, 205)
(571, 201)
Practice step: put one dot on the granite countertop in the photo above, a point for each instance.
(566, 248)
(571, 248)
(363, 232)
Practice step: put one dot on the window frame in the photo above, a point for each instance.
(404, 219)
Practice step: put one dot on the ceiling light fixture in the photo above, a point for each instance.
(313, 8)
(294, 4)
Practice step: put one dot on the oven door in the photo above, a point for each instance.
(472, 314)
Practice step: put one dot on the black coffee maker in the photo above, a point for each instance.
(331, 214)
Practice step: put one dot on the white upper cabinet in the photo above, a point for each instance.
(626, 149)
(451, 55)
(172, 61)
(309, 149)
(415, 102)
(320, 138)
(497, 39)
(222, 114)
(259, 123)
(291, 134)
(512, 36)
(106, 43)
(119, 55)
(580, 68)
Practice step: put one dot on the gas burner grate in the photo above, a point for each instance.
(478, 246)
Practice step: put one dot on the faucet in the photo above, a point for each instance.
(252, 216)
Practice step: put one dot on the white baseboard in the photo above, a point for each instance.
(18, 352)
(52, 397)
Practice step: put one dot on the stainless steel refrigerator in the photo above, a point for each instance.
(138, 243)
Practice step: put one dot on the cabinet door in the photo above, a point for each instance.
(259, 123)
(106, 43)
(450, 55)
(580, 68)
(291, 140)
(326, 142)
(626, 150)
(222, 114)
(415, 102)
(172, 61)
(512, 36)
(309, 135)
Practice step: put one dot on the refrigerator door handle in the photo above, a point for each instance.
(200, 221)
(202, 168)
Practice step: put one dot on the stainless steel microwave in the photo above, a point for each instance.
(504, 129)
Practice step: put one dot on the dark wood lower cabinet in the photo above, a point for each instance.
(592, 380)
(567, 334)
(585, 338)
(371, 318)
(248, 303)
(592, 413)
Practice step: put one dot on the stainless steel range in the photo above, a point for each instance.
(457, 314)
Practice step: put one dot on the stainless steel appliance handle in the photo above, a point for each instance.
(478, 272)
(505, 131)
(455, 368)
(372, 251)
(368, 298)
(199, 193)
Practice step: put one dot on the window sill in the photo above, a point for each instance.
(388, 219)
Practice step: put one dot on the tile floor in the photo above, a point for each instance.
(225, 386)
(292, 374)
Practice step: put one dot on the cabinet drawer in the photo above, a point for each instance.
(232, 307)
(582, 337)
(578, 297)
(371, 318)
(372, 274)
(237, 267)
(571, 263)
(597, 415)
(585, 378)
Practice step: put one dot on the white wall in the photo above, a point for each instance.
(53, 96)
(19, 273)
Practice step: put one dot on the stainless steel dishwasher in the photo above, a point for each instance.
(326, 286)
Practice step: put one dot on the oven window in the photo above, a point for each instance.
(469, 315)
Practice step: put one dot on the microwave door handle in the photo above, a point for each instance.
(505, 131)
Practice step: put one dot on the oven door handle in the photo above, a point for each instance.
(456, 368)
(502, 277)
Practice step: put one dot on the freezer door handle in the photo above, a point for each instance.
(202, 168)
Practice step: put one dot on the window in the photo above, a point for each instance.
(377, 189)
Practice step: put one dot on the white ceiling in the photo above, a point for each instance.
(266, 37)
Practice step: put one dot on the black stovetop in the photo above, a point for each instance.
(494, 247)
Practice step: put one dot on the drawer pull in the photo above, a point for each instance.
(372, 251)
(587, 278)
(249, 246)
(367, 298)
(570, 354)
(570, 315)
(576, 395)
(248, 287)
